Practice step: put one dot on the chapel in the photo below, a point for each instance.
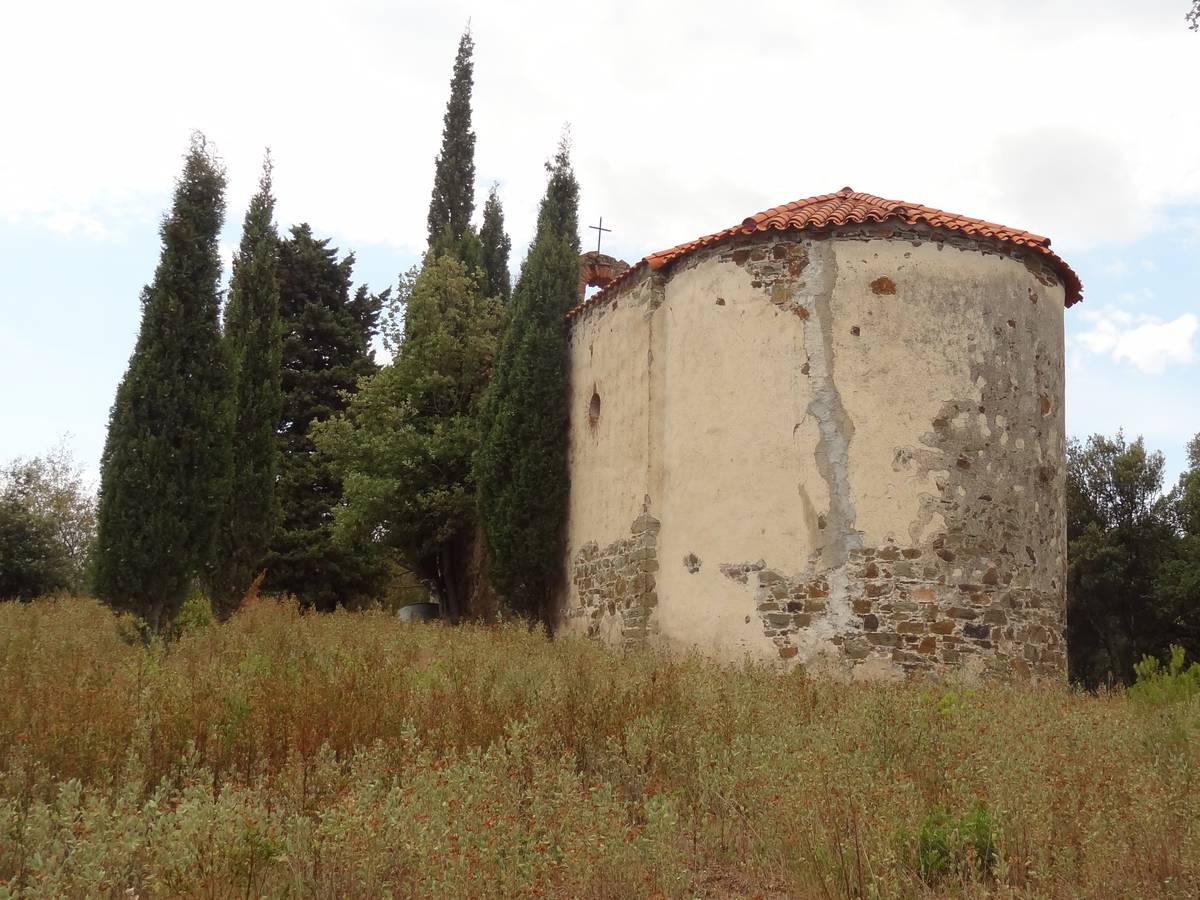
(831, 434)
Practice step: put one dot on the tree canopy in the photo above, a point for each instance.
(521, 466)
(496, 248)
(254, 345)
(47, 523)
(164, 473)
(326, 351)
(405, 443)
(1133, 580)
(453, 200)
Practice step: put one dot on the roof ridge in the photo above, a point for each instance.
(848, 206)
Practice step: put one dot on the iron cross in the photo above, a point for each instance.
(599, 229)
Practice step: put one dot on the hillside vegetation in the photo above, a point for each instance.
(289, 754)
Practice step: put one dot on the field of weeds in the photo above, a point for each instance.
(350, 755)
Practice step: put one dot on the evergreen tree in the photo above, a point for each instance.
(1177, 587)
(404, 446)
(496, 248)
(1121, 543)
(34, 561)
(51, 490)
(521, 466)
(254, 344)
(326, 350)
(1185, 499)
(453, 199)
(165, 468)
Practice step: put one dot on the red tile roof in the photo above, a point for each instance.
(850, 207)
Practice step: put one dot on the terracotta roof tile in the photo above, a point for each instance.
(850, 207)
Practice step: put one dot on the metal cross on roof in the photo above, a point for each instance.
(599, 229)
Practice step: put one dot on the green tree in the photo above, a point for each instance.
(1120, 538)
(326, 351)
(404, 446)
(1185, 498)
(255, 346)
(521, 466)
(1177, 587)
(52, 490)
(453, 200)
(32, 563)
(47, 523)
(496, 247)
(164, 472)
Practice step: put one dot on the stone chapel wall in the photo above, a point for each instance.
(612, 533)
(852, 450)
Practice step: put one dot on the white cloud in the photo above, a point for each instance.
(1141, 295)
(687, 116)
(1144, 341)
(70, 222)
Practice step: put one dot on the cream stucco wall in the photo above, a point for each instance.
(610, 459)
(799, 406)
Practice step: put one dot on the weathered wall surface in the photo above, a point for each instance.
(608, 592)
(859, 461)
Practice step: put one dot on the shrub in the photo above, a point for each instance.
(196, 612)
(1158, 685)
(964, 847)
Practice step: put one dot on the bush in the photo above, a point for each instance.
(196, 612)
(963, 847)
(1158, 685)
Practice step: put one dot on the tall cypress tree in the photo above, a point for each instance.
(254, 343)
(453, 199)
(521, 466)
(496, 247)
(164, 473)
(326, 350)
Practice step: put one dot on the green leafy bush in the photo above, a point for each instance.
(963, 847)
(1158, 685)
(196, 612)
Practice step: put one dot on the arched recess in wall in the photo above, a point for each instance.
(594, 408)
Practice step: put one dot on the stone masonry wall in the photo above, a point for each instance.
(946, 605)
(616, 584)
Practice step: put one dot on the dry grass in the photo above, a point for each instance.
(351, 755)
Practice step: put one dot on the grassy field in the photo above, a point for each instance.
(349, 755)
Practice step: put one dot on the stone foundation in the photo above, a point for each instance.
(616, 584)
(946, 605)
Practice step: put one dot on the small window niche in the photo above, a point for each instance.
(594, 409)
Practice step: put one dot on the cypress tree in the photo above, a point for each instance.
(326, 350)
(496, 247)
(164, 472)
(453, 200)
(521, 466)
(254, 344)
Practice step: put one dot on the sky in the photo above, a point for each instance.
(1070, 119)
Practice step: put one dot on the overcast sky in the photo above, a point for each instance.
(1072, 119)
